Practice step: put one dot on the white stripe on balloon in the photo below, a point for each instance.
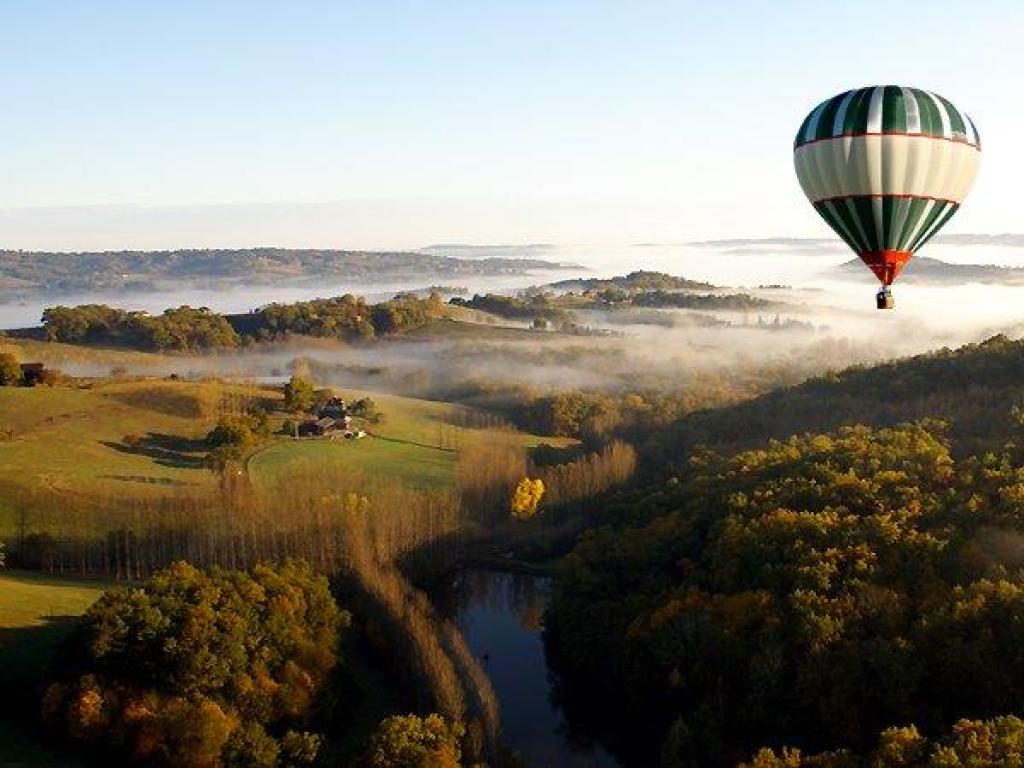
(913, 113)
(947, 130)
(844, 105)
(875, 110)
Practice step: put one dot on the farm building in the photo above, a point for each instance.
(317, 427)
(32, 373)
(333, 409)
(325, 427)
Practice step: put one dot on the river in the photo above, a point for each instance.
(501, 617)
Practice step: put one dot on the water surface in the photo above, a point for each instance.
(501, 617)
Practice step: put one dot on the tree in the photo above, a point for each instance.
(411, 741)
(199, 668)
(366, 408)
(298, 394)
(235, 431)
(526, 497)
(10, 369)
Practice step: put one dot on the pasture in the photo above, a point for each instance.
(101, 445)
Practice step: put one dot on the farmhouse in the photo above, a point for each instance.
(333, 409)
(317, 427)
(325, 426)
(332, 420)
(32, 373)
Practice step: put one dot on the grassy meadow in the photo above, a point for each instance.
(36, 613)
(106, 442)
(416, 443)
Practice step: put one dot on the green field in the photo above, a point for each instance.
(111, 441)
(416, 443)
(105, 442)
(36, 613)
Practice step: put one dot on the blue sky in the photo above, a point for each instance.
(387, 124)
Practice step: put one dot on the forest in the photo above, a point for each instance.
(841, 597)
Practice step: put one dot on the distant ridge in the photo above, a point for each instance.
(466, 251)
(25, 273)
(925, 270)
(1007, 240)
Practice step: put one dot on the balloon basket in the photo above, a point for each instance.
(884, 299)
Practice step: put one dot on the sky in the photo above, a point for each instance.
(400, 124)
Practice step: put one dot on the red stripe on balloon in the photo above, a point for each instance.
(883, 194)
(954, 139)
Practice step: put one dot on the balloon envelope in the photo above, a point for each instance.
(886, 167)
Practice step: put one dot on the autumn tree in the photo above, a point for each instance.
(526, 497)
(411, 741)
(199, 668)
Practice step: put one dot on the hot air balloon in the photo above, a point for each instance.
(886, 167)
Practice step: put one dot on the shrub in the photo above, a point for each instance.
(10, 370)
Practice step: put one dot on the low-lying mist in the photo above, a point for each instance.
(822, 320)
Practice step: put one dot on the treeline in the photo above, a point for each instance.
(975, 743)
(309, 514)
(808, 593)
(704, 301)
(187, 329)
(345, 317)
(184, 329)
(971, 387)
(595, 416)
(640, 280)
(533, 307)
(587, 476)
(487, 474)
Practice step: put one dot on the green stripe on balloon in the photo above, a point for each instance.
(916, 208)
(931, 123)
(894, 111)
(887, 206)
(839, 207)
(933, 216)
(828, 118)
(951, 208)
(862, 105)
(895, 214)
(866, 216)
(974, 129)
(828, 213)
(956, 121)
(850, 207)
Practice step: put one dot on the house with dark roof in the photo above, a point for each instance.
(32, 373)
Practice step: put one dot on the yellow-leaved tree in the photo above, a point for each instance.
(526, 497)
